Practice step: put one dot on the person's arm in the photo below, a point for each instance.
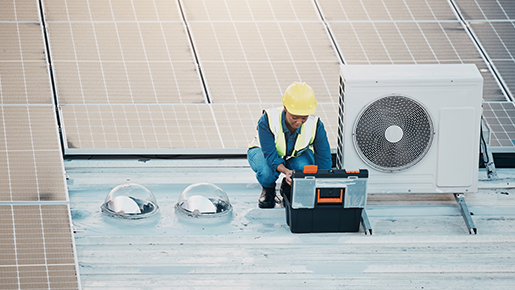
(322, 148)
(267, 143)
(287, 172)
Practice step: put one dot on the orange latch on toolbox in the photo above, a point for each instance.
(329, 199)
(310, 169)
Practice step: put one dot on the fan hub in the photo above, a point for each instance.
(393, 134)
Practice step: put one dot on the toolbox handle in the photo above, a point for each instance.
(329, 199)
(310, 169)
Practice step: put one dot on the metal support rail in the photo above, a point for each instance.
(365, 223)
(465, 213)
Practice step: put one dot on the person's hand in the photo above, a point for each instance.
(287, 172)
(288, 175)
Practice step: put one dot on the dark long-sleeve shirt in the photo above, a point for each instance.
(322, 150)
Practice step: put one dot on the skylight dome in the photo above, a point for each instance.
(130, 201)
(203, 200)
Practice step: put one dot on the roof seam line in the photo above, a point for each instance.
(328, 29)
(51, 73)
(195, 55)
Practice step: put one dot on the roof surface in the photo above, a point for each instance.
(418, 241)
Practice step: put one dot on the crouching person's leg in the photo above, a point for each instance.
(264, 175)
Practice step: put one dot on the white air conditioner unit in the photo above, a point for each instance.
(414, 127)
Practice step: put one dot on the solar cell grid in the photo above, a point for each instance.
(491, 22)
(117, 52)
(486, 10)
(20, 10)
(249, 10)
(37, 248)
(30, 156)
(143, 127)
(111, 10)
(411, 42)
(259, 60)
(36, 244)
(499, 45)
(115, 63)
(500, 118)
(249, 51)
(376, 10)
(23, 73)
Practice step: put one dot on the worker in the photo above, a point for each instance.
(288, 138)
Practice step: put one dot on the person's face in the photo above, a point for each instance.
(295, 121)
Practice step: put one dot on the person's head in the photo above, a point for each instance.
(294, 121)
(299, 102)
(299, 99)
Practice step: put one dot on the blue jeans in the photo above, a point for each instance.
(267, 176)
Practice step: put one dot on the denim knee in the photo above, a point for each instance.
(298, 163)
(264, 174)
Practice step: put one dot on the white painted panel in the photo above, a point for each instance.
(456, 160)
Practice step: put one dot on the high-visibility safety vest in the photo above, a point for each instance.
(304, 140)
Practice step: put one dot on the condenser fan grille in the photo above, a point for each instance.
(393, 133)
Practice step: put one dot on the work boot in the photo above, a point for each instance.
(267, 198)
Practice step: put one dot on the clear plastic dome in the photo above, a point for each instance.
(203, 200)
(130, 201)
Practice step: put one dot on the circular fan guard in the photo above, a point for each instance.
(393, 133)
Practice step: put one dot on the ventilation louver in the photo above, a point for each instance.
(393, 133)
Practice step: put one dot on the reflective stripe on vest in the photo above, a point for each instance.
(304, 139)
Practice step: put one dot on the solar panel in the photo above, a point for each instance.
(139, 128)
(37, 247)
(30, 156)
(492, 24)
(487, 10)
(377, 10)
(256, 10)
(99, 63)
(23, 74)
(247, 55)
(255, 62)
(500, 120)
(36, 239)
(35, 232)
(373, 33)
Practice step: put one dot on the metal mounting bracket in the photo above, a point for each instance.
(484, 149)
(365, 223)
(465, 213)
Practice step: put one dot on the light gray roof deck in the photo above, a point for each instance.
(418, 241)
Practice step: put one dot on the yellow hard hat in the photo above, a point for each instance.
(299, 99)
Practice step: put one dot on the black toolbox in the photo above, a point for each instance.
(329, 200)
